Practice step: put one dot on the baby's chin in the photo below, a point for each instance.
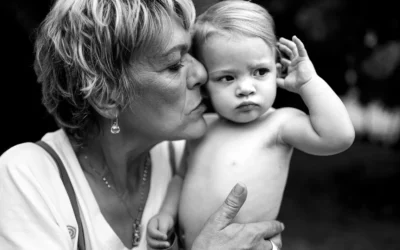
(243, 119)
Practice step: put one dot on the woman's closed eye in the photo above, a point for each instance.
(261, 72)
(176, 67)
(183, 60)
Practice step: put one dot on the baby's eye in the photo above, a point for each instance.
(225, 79)
(261, 72)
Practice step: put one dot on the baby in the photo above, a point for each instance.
(249, 141)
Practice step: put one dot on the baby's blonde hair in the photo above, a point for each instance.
(242, 18)
(86, 49)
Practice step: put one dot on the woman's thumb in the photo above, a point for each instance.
(230, 208)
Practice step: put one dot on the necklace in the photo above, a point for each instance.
(136, 226)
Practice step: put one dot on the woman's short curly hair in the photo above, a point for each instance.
(85, 53)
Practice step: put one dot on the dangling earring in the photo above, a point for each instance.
(115, 127)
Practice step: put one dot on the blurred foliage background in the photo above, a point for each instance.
(346, 201)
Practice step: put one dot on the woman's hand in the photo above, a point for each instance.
(220, 233)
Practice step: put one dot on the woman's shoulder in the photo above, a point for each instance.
(23, 152)
(21, 156)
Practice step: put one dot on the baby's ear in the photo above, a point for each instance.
(279, 69)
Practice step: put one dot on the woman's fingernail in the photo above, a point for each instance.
(239, 189)
(283, 226)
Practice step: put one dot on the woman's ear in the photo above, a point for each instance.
(106, 110)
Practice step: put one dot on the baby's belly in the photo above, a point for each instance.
(206, 187)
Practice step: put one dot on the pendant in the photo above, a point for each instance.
(115, 128)
(136, 234)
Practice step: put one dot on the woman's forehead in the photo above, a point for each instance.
(173, 39)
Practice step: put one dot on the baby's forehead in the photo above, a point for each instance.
(233, 37)
(236, 51)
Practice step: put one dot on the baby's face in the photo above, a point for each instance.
(242, 76)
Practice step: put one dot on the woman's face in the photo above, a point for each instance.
(169, 104)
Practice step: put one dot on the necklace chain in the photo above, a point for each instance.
(136, 226)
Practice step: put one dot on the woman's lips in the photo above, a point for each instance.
(201, 108)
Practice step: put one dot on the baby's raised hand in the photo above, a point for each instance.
(159, 228)
(300, 69)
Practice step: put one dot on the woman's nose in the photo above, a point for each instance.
(197, 74)
(245, 88)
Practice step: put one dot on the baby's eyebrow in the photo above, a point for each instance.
(260, 64)
(221, 72)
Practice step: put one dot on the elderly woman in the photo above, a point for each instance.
(118, 78)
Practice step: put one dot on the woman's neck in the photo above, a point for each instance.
(122, 160)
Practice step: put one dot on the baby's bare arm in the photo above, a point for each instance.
(171, 201)
(328, 128)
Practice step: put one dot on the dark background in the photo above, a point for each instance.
(346, 201)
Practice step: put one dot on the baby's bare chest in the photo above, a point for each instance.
(220, 161)
(235, 152)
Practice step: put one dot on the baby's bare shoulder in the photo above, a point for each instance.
(274, 119)
(282, 114)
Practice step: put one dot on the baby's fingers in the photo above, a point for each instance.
(286, 50)
(300, 47)
(165, 225)
(157, 244)
(153, 232)
(288, 47)
(285, 62)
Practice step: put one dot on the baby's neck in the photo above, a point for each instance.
(254, 121)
